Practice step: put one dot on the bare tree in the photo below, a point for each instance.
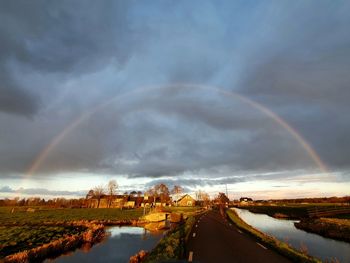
(177, 191)
(112, 190)
(162, 191)
(99, 191)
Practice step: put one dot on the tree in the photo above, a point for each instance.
(90, 194)
(162, 191)
(202, 196)
(112, 190)
(99, 191)
(176, 191)
(222, 199)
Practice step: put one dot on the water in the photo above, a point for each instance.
(122, 243)
(284, 230)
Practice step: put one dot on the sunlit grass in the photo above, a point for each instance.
(18, 238)
(66, 215)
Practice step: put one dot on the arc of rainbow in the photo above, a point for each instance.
(266, 111)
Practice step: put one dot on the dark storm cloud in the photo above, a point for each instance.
(40, 191)
(15, 99)
(58, 60)
(62, 38)
(305, 77)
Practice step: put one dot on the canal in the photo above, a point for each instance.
(284, 230)
(120, 244)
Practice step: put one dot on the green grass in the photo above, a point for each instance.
(18, 238)
(281, 247)
(290, 211)
(172, 246)
(344, 216)
(66, 214)
(293, 211)
(183, 210)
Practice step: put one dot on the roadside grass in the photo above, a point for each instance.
(281, 247)
(18, 238)
(65, 215)
(187, 211)
(172, 246)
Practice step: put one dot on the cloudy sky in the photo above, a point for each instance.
(146, 92)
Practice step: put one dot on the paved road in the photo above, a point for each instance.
(215, 240)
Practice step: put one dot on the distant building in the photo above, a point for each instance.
(245, 200)
(185, 200)
(123, 201)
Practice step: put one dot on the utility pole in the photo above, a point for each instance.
(226, 191)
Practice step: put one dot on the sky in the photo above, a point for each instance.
(204, 94)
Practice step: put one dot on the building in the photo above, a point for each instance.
(185, 200)
(245, 200)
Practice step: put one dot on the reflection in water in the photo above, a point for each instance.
(119, 246)
(320, 247)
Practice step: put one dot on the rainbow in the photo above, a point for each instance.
(34, 167)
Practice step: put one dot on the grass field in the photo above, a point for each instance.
(292, 211)
(328, 227)
(18, 238)
(66, 214)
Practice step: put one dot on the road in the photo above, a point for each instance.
(215, 240)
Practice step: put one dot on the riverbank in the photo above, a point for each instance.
(277, 245)
(170, 247)
(338, 229)
(50, 232)
(280, 211)
(290, 211)
(91, 234)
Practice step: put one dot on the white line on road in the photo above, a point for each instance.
(194, 234)
(190, 256)
(261, 245)
(239, 231)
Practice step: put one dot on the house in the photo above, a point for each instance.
(185, 200)
(107, 201)
(245, 200)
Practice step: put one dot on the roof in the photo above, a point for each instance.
(184, 197)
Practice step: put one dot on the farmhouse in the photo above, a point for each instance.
(185, 200)
(245, 200)
(123, 201)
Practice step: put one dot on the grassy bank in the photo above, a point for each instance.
(172, 246)
(18, 238)
(328, 227)
(288, 211)
(291, 212)
(281, 247)
(65, 239)
(65, 215)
